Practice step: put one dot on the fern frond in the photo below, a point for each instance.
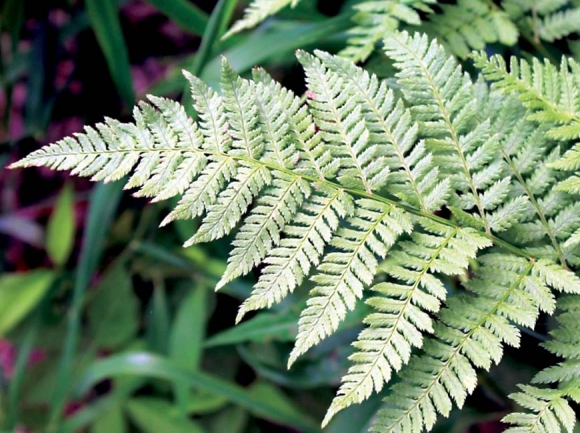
(326, 189)
(375, 19)
(257, 12)
(559, 24)
(470, 333)
(347, 271)
(549, 409)
(402, 309)
(471, 25)
(551, 94)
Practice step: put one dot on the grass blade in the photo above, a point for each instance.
(186, 338)
(103, 204)
(185, 14)
(153, 366)
(60, 230)
(104, 18)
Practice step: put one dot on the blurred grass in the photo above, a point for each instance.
(104, 18)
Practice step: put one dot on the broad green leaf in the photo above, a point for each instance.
(104, 18)
(262, 328)
(61, 227)
(153, 415)
(187, 334)
(154, 366)
(186, 338)
(19, 294)
(113, 314)
(230, 420)
(110, 421)
(204, 402)
(158, 319)
(281, 39)
(265, 391)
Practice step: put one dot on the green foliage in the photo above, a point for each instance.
(348, 190)
(60, 229)
(19, 294)
(461, 26)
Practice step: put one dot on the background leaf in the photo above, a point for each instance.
(19, 294)
(153, 415)
(113, 314)
(61, 227)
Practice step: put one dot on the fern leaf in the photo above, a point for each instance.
(344, 274)
(402, 308)
(257, 12)
(326, 189)
(375, 19)
(559, 24)
(472, 24)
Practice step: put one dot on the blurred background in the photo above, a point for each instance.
(106, 323)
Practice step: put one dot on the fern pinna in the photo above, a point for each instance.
(349, 190)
